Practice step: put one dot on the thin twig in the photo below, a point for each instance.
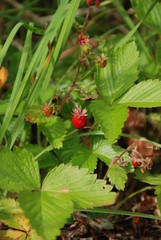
(70, 90)
(118, 158)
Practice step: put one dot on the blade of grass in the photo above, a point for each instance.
(39, 57)
(8, 42)
(68, 21)
(134, 194)
(67, 25)
(127, 37)
(13, 102)
(141, 138)
(120, 212)
(11, 108)
(131, 25)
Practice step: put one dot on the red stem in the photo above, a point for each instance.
(71, 89)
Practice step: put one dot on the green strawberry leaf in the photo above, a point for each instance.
(145, 94)
(83, 157)
(110, 118)
(105, 151)
(64, 189)
(12, 216)
(47, 211)
(79, 185)
(66, 152)
(52, 127)
(18, 170)
(46, 160)
(54, 130)
(12, 234)
(117, 176)
(119, 74)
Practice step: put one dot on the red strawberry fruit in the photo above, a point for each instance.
(89, 2)
(79, 119)
(135, 164)
(48, 110)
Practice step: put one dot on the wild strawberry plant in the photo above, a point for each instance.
(78, 120)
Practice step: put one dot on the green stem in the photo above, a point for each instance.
(48, 149)
(120, 212)
(132, 195)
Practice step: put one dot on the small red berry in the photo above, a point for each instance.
(48, 110)
(89, 2)
(135, 164)
(97, 3)
(79, 119)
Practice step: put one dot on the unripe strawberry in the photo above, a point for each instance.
(48, 110)
(134, 163)
(89, 2)
(101, 60)
(79, 119)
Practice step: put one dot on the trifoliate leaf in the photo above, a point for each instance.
(64, 189)
(83, 157)
(119, 74)
(110, 118)
(18, 170)
(117, 176)
(144, 94)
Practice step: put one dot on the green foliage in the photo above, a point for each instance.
(52, 127)
(105, 151)
(18, 170)
(144, 94)
(12, 215)
(54, 130)
(152, 179)
(117, 176)
(107, 117)
(158, 52)
(158, 193)
(119, 74)
(64, 189)
(153, 20)
(47, 211)
(46, 160)
(83, 157)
